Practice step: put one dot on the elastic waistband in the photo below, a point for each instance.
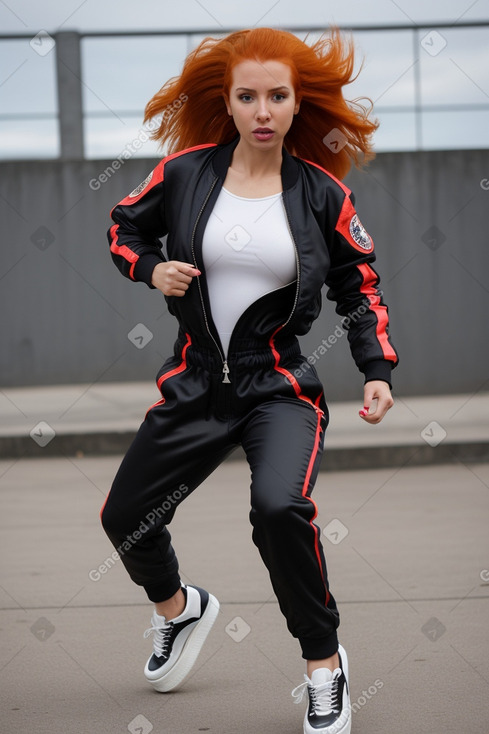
(245, 352)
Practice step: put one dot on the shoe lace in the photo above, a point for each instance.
(323, 698)
(161, 638)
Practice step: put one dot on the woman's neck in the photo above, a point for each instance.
(249, 162)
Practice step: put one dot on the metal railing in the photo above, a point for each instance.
(71, 117)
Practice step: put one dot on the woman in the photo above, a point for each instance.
(257, 221)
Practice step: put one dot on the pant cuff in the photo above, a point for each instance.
(319, 648)
(163, 591)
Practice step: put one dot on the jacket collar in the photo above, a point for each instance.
(224, 153)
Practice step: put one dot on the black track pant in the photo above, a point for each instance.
(188, 433)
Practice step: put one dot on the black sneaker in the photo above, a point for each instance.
(329, 710)
(177, 642)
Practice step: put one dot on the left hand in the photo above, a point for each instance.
(378, 391)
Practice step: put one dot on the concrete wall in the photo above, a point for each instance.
(66, 311)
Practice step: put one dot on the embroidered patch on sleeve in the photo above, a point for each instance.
(139, 189)
(359, 234)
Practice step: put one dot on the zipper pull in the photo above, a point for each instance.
(225, 372)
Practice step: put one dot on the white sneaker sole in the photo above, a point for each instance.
(191, 649)
(345, 727)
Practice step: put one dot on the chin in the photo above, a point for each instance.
(275, 141)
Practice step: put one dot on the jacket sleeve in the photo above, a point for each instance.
(139, 222)
(354, 285)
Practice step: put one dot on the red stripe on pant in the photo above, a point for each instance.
(298, 391)
(181, 367)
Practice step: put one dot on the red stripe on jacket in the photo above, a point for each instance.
(181, 367)
(368, 288)
(158, 174)
(123, 250)
(290, 377)
(328, 173)
(343, 226)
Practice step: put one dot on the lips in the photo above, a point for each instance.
(263, 133)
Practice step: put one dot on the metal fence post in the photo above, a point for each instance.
(69, 83)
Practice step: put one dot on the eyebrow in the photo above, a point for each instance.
(275, 89)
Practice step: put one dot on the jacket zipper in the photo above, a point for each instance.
(225, 368)
(296, 260)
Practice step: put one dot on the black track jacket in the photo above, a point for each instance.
(331, 246)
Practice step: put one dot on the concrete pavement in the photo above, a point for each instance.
(408, 558)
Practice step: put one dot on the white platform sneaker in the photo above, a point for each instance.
(328, 710)
(178, 642)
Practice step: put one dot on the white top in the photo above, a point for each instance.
(247, 252)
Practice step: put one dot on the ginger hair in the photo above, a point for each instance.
(193, 110)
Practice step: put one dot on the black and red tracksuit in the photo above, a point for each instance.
(259, 395)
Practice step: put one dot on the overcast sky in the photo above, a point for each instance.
(32, 15)
(457, 73)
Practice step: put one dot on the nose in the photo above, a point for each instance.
(262, 112)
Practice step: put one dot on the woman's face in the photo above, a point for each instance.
(262, 102)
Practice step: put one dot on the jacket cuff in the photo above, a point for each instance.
(143, 270)
(378, 369)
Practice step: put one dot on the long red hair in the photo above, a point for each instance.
(190, 109)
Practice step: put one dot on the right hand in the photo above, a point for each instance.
(174, 277)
